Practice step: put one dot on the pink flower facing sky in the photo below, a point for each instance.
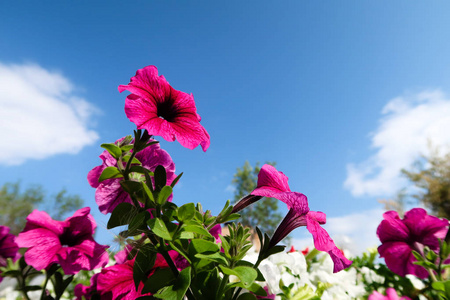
(272, 183)
(160, 109)
(109, 193)
(8, 247)
(391, 294)
(69, 243)
(399, 237)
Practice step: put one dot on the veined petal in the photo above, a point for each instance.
(160, 109)
(392, 228)
(424, 228)
(270, 182)
(297, 201)
(399, 259)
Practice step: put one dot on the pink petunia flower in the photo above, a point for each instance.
(69, 243)
(391, 294)
(399, 237)
(8, 247)
(118, 279)
(160, 109)
(109, 192)
(272, 183)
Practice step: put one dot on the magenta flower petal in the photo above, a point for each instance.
(400, 260)
(427, 229)
(8, 247)
(400, 237)
(271, 182)
(118, 280)
(69, 243)
(297, 201)
(391, 294)
(392, 228)
(160, 109)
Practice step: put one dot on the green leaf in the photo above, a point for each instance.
(113, 149)
(160, 177)
(138, 169)
(159, 228)
(165, 192)
(186, 212)
(175, 181)
(202, 246)
(148, 192)
(217, 257)
(231, 217)
(122, 215)
(139, 221)
(246, 275)
(145, 260)
(159, 279)
(247, 296)
(110, 172)
(178, 290)
(197, 229)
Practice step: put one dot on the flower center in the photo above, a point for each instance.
(165, 110)
(68, 239)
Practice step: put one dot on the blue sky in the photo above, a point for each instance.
(341, 95)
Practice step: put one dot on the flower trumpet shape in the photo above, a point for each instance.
(400, 237)
(69, 243)
(272, 183)
(160, 109)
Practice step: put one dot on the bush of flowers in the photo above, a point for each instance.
(179, 252)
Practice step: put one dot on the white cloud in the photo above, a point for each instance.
(354, 232)
(409, 124)
(39, 115)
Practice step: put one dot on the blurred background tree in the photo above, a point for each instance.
(429, 185)
(16, 204)
(431, 177)
(264, 213)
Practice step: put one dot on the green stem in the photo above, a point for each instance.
(169, 261)
(45, 285)
(222, 287)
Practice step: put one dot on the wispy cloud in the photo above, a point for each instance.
(354, 232)
(408, 124)
(40, 116)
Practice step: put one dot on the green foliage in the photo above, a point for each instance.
(431, 174)
(264, 212)
(16, 204)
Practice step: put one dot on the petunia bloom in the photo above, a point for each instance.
(118, 279)
(272, 183)
(400, 237)
(8, 247)
(160, 109)
(391, 294)
(69, 243)
(109, 192)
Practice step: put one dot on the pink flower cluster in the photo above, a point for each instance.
(69, 243)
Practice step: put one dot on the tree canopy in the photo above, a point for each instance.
(431, 177)
(16, 204)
